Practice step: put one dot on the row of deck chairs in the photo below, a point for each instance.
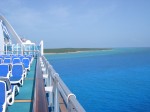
(11, 78)
(10, 58)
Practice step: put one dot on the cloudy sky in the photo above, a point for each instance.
(81, 23)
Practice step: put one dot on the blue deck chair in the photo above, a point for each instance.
(21, 57)
(16, 60)
(14, 56)
(30, 58)
(1, 60)
(3, 96)
(7, 56)
(5, 70)
(7, 60)
(11, 90)
(26, 63)
(1, 57)
(18, 74)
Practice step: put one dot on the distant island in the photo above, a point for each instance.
(68, 50)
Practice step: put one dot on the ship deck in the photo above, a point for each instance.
(43, 90)
(24, 100)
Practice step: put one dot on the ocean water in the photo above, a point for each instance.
(116, 80)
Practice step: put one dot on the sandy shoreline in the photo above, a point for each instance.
(66, 52)
(76, 52)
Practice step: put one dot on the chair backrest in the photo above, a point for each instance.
(21, 57)
(17, 70)
(16, 60)
(29, 57)
(1, 60)
(14, 56)
(7, 60)
(26, 62)
(7, 56)
(1, 56)
(1, 109)
(2, 92)
(7, 81)
(4, 69)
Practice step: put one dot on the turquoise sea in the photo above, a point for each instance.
(116, 80)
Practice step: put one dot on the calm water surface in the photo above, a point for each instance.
(107, 81)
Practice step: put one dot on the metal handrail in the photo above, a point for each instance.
(69, 98)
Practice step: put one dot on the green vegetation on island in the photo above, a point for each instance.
(67, 50)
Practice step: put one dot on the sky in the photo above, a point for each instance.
(80, 23)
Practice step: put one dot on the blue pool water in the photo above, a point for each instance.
(107, 81)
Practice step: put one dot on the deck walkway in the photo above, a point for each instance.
(23, 101)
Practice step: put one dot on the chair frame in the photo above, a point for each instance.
(20, 82)
(5, 103)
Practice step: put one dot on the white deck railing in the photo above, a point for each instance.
(57, 89)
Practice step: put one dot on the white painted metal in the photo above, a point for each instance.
(42, 49)
(11, 30)
(59, 87)
(56, 99)
(1, 39)
(49, 89)
(6, 48)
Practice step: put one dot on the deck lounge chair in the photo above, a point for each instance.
(26, 63)
(16, 60)
(21, 57)
(18, 74)
(14, 56)
(7, 60)
(7, 56)
(11, 90)
(3, 96)
(30, 58)
(1, 56)
(1, 60)
(5, 70)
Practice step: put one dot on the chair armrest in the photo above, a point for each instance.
(10, 99)
(9, 74)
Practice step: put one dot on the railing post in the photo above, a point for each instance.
(51, 94)
(6, 48)
(56, 99)
(21, 49)
(17, 48)
(34, 50)
(42, 48)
